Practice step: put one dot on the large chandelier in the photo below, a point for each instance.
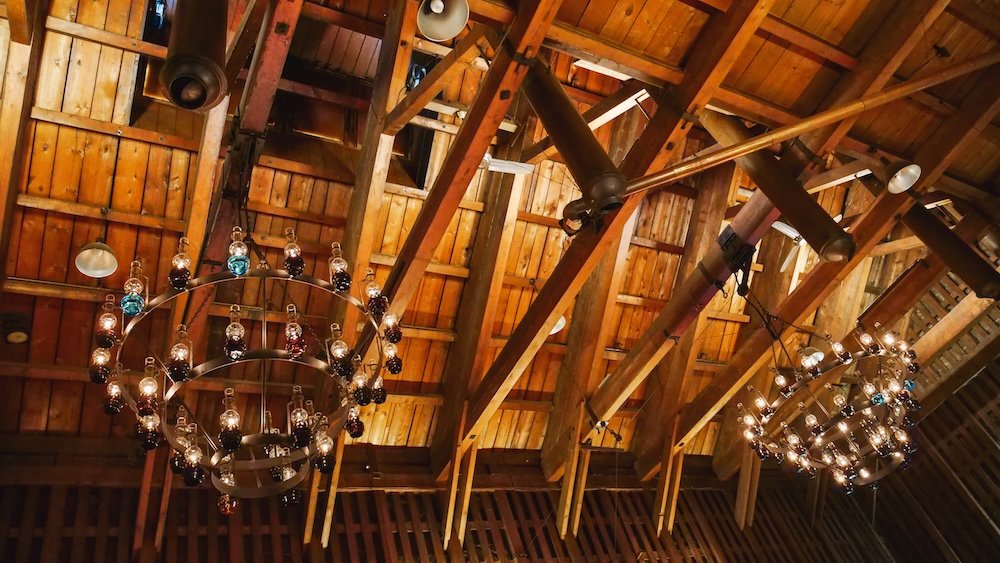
(864, 436)
(236, 452)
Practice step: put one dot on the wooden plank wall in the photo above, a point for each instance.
(955, 468)
(94, 524)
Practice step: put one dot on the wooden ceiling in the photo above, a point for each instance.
(98, 136)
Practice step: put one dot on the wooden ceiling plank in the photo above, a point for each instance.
(980, 108)
(470, 145)
(468, 356)
(950, 328)
(447, 69)
(937, 394)
(20, 77)
(720, 45)
(268, 62)
(976, 16)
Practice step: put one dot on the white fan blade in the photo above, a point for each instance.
(790, 258)
(787, 230)
(510, 167)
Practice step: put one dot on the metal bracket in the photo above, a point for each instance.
(739, 255)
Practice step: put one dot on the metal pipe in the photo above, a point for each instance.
(788, 195)
(193, 76)
(602, 185)
(693, 166)
(961, 258)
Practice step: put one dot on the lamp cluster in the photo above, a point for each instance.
(309, 436)
(864, 435)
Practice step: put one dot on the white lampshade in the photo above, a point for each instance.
(902, 177)
(96, 260)
(560, 324)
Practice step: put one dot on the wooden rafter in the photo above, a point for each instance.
(23, 16)
(973, 365)
(244, 38)
(935, 157)
(720, 45)
(268, 61)
(20, 77)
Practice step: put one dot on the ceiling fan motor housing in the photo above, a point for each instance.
(193, 76)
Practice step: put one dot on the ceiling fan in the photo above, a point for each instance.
(505, 166)
(797, 239)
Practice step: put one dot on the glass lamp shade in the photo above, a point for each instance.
(96, 260)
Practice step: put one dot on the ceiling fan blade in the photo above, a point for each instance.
(787, 230)
(510, 167)
(790, 258)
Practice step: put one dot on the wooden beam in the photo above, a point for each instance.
(20, 77)
(980, 107)
(468, 473)
(244, 38)
(268, 62)
(470, 145)
(977, 16)
(331, 490)
(376, 153)
(720, 45)
(114, 129)
(904, 244)
(446, 69)
(22, 17)
(934, 397)
(947, 330)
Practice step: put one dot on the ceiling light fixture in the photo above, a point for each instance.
(96, 260)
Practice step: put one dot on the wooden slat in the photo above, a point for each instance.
(268, 61)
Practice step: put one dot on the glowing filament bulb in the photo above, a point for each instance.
(114, 389)
(180, 352)
(868, 388)
(390, 320)
(324, 443)
(337, 262)
(372, 290)
(793, 439)
(230, 419)
(866, 339)
(827, 458)
(894, 386)
(842, 460)
(839, 477)
(842, 426)
(100, 357)
(811, 420)
(148, 386)
(837, 348)
(193, 455)
(793, 456)
(902, 436)
(227, 478)
(150, 421)
(889, 338)
(287, 472)
(748, 434)
(299, 416)
(864, 473)
(780, 380)
(107, 321)
(339, 349)
(391, 350)
(749, 420)
(759, 402)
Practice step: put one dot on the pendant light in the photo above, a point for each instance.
(96, 260)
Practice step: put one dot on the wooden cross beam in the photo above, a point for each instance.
(23, 17)
(938, 393)
(244, 37)
(719, 47)
(980, 107)
(268, 61)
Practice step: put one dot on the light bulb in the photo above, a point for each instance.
(235, 330)
(894, 386)
(811, 420)
(864, 473)
(837, 348)
(227, 478)
(150, 421)
(293, 330)
(299, 416)
(793, 439)
(324, 443)
(805, 461)
(287, 472)
(903, 346)
(827, 458)
(868, 388)
(238, 248)
(902, 436)
(866, 339)
(338, 264)
(230, 419)
(193, 455)
(181, 260)
(842, 426)
(148, 386)
(793, 456)
(839, 400)
(339, 349)
(780, 380)
(180, 352)
(107, 321)
(897, 455)
(100, 357)
(292, 250)
(749, 420)
(114, 389)
(391, 350)
(839, 477)
(842, 460)
(133, 285)
(748, 434)
(372, 290)
(390, 320)
(889, 339)
(760, 403)
(876, 439)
